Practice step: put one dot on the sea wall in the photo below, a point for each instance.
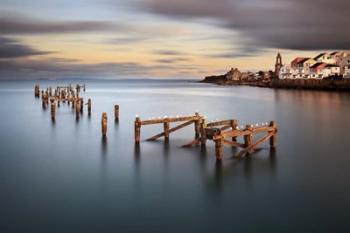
(316, 84)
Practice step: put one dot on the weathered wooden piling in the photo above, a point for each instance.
(53, 110)
(81, 105)
(104, 124)
(137, 130)
(203, 125)
(89, 103)
(166, 130)
(248, 138)
(44, 103)
(273, 138)
(77, 108)
(73, 102)
(234, 125)
(37, 91)
(219, 149)
(197, 123)
(116, 112)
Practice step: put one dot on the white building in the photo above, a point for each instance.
(285, 72)
(330, 70)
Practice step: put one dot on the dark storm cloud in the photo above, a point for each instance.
(285, 24)
(10, 48)
(23, 25)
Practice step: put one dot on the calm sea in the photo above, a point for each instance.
(63, 177)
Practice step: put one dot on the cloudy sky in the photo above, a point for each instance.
(163, 38)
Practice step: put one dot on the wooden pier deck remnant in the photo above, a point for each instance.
(220, 135)
(184, 120)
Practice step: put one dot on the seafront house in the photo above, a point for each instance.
(326, 58)
(299, 68)
(316, 70)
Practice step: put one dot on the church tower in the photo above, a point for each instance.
(278, 65)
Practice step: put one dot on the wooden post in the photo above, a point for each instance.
(116, 112)
(166, 130)
(44, 103)
(104, 124)
(53, 110)
(248, 138)
(197, 126)
(273, 139)
(37, 91)
(203, 134)
(89, 106)
(81, 105)
(77, 108)
(233, 127)
(137, 130)
(219, 150)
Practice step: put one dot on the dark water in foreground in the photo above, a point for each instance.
(63, 178)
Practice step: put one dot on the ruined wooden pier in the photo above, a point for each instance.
(223, 133)
(183, 120)
(226, 132)
(249, 132)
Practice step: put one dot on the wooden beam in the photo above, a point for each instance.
(219, 123)
(155, 137)
(233, 143)
(252, 146)
(168, 119)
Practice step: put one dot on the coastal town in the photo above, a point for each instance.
(324, 71)
(322, 66)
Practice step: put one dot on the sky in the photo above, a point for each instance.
(163, 38)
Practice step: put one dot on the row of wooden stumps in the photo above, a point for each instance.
(67, 94)
(225, 132)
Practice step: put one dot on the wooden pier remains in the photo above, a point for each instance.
(184, 120)
(220, 137)
(222, 133)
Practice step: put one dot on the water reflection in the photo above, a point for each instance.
(104, 147)
(253, 166)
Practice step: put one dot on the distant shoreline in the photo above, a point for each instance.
(298, 84)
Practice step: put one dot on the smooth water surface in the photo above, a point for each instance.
(63, 177)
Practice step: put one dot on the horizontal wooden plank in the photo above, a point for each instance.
(220, 123)
(155, 137)
(173, 119)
